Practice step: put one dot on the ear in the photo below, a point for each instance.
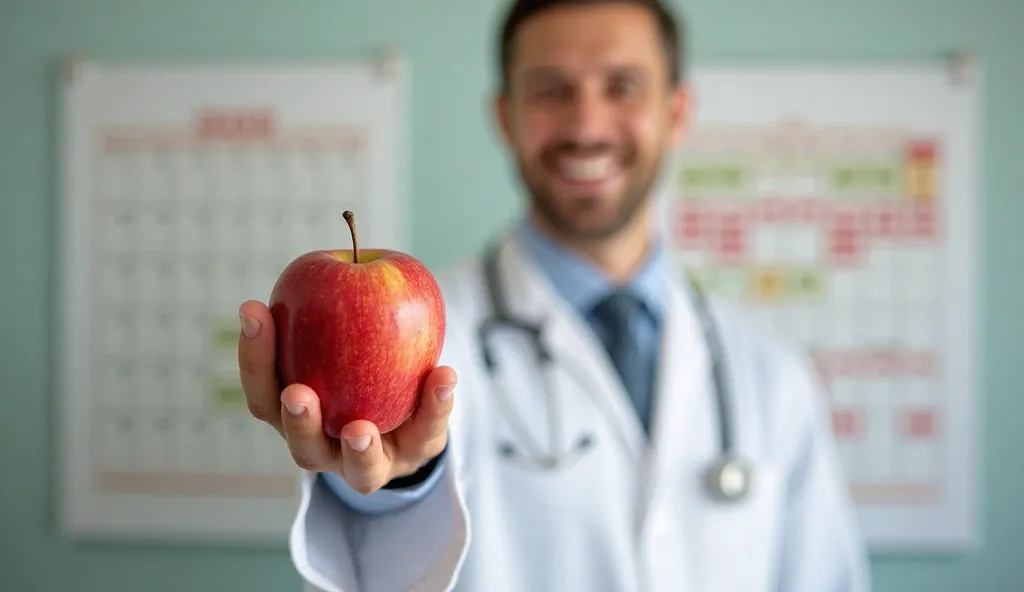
(680, 103)
(501, 111)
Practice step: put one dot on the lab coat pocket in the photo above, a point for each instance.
(738, 539)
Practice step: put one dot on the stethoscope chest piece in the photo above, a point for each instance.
(729, 479)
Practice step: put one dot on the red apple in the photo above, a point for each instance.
(361, 327)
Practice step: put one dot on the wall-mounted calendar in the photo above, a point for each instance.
(186, 191)
(836, 206)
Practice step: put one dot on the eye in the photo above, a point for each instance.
(551, 92)
(624, 85)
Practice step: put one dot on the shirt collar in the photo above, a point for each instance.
(583, 284)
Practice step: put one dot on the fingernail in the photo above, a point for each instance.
(444, 391)
(295, 409)
(250, 326)
(359, 443)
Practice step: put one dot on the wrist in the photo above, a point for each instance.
(418, 476)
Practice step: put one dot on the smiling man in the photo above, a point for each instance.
(597, 467)
(591, 105)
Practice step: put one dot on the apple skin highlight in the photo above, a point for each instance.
(364, 336)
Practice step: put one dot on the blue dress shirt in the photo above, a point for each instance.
(582, 285)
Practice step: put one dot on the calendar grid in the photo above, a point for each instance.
(190, 225)
(186, 190)
(829, 236)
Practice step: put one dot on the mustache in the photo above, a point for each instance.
(584, 149)
(573, 148)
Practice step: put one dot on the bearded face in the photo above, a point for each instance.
(590, 114)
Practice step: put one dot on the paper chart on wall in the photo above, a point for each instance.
(835, 205)
(187, 189)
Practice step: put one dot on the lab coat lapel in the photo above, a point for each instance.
(684, 397)
(575, 347)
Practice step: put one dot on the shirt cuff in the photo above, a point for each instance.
(384, 501)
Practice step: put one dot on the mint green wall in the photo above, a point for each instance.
(448, 43)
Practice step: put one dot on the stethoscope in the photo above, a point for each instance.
(729, 476)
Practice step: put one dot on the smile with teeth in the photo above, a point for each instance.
(588, 169)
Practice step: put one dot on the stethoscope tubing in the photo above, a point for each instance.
(727, 470)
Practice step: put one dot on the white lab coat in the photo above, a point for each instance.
(628, 516)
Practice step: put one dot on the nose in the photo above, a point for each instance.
(590, 114)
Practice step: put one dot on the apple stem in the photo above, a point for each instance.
(351, 219)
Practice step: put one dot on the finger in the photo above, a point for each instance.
(256, 363)
(423, 436)
(302, 427)
(364, 465)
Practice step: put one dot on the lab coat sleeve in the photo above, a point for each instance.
(420, 547)
(823, 550)
(413, 545)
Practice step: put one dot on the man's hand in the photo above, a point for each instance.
(363, 457)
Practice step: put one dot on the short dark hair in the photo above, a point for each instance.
(671, 27)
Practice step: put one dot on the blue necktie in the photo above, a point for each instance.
(616, 315)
